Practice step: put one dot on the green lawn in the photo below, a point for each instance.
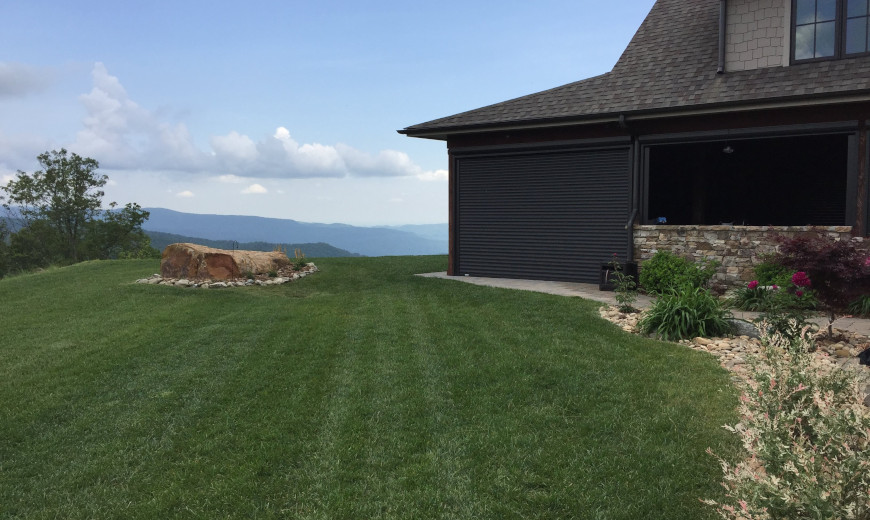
(360, 392)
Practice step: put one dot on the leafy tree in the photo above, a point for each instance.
(35, 246)
(65, 194)
(119, 234)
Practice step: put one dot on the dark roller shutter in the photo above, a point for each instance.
(542, 215)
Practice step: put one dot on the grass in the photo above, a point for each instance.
(360, 392)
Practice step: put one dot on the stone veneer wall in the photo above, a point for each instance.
(737, 248)
(755, 34)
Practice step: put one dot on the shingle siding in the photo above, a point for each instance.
(755, 34)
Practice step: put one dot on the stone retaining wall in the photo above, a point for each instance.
(737, 248)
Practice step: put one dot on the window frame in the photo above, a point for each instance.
(840, 22)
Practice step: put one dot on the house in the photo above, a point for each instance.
(724, 123)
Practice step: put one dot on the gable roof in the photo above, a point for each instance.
(669, 65)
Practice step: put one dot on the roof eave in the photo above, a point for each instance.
(443, 133)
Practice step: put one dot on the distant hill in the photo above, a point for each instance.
(160, 240)
(431, 231)
(368, 241)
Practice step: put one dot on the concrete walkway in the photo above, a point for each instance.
(591, 292)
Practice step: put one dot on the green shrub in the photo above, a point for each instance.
(751, 298)
(686, 312)
(625, 287)
(807, 439)
(860, 306)
(768, 272)
(666, 271)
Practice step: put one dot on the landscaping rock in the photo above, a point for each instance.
(744, 328)
(201, 262)
(733, 353)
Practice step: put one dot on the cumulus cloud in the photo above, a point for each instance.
(123, 135)
(187, 194)
(19, 80)
(229, 179)
(254, 189)
(433, 176)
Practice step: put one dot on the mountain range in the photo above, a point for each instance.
(366, 241)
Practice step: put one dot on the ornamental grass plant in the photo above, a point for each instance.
(686, 312)
(806, 439)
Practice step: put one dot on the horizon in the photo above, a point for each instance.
(285, 109)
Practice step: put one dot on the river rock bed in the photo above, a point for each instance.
(282, 276)
(837, 353)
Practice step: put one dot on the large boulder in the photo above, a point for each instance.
(197, 262)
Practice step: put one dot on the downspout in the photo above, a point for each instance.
(633, 204)
(723, 11)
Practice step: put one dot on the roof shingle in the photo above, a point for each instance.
(670, 64)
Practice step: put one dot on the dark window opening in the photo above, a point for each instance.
(787, 181)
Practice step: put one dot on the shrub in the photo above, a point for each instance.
(860, 306)
(684, 313)
(625, 288)
(840, 271)
(753, 297)
(807, 439)
(299, 262)
(666, 271)
(769, 272)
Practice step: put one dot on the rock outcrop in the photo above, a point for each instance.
(195, 262)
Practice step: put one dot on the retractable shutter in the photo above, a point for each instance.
(554, 215)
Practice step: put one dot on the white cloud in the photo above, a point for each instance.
(234, 147)
(124, 136)
(434, 176)
(4, 179)
(254, 189)
(229, 179)
(19, 80)
(187, 194)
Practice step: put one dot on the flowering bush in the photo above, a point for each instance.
(839, 270)
(752, 285)
(800, 279)
(807, 438)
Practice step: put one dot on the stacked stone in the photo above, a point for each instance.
(736, 248)
(734, 353)
(284, 277)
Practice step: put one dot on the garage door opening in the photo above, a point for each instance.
(783, 181)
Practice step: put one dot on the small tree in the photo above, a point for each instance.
(839, 271)
(119, 234)
(64, 193)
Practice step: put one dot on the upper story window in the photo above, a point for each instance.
(829, 29)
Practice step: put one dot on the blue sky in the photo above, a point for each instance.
(281, 109)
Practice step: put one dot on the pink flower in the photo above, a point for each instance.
(774, 287)
(798, 293)
(753, 284)
(800, 279)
